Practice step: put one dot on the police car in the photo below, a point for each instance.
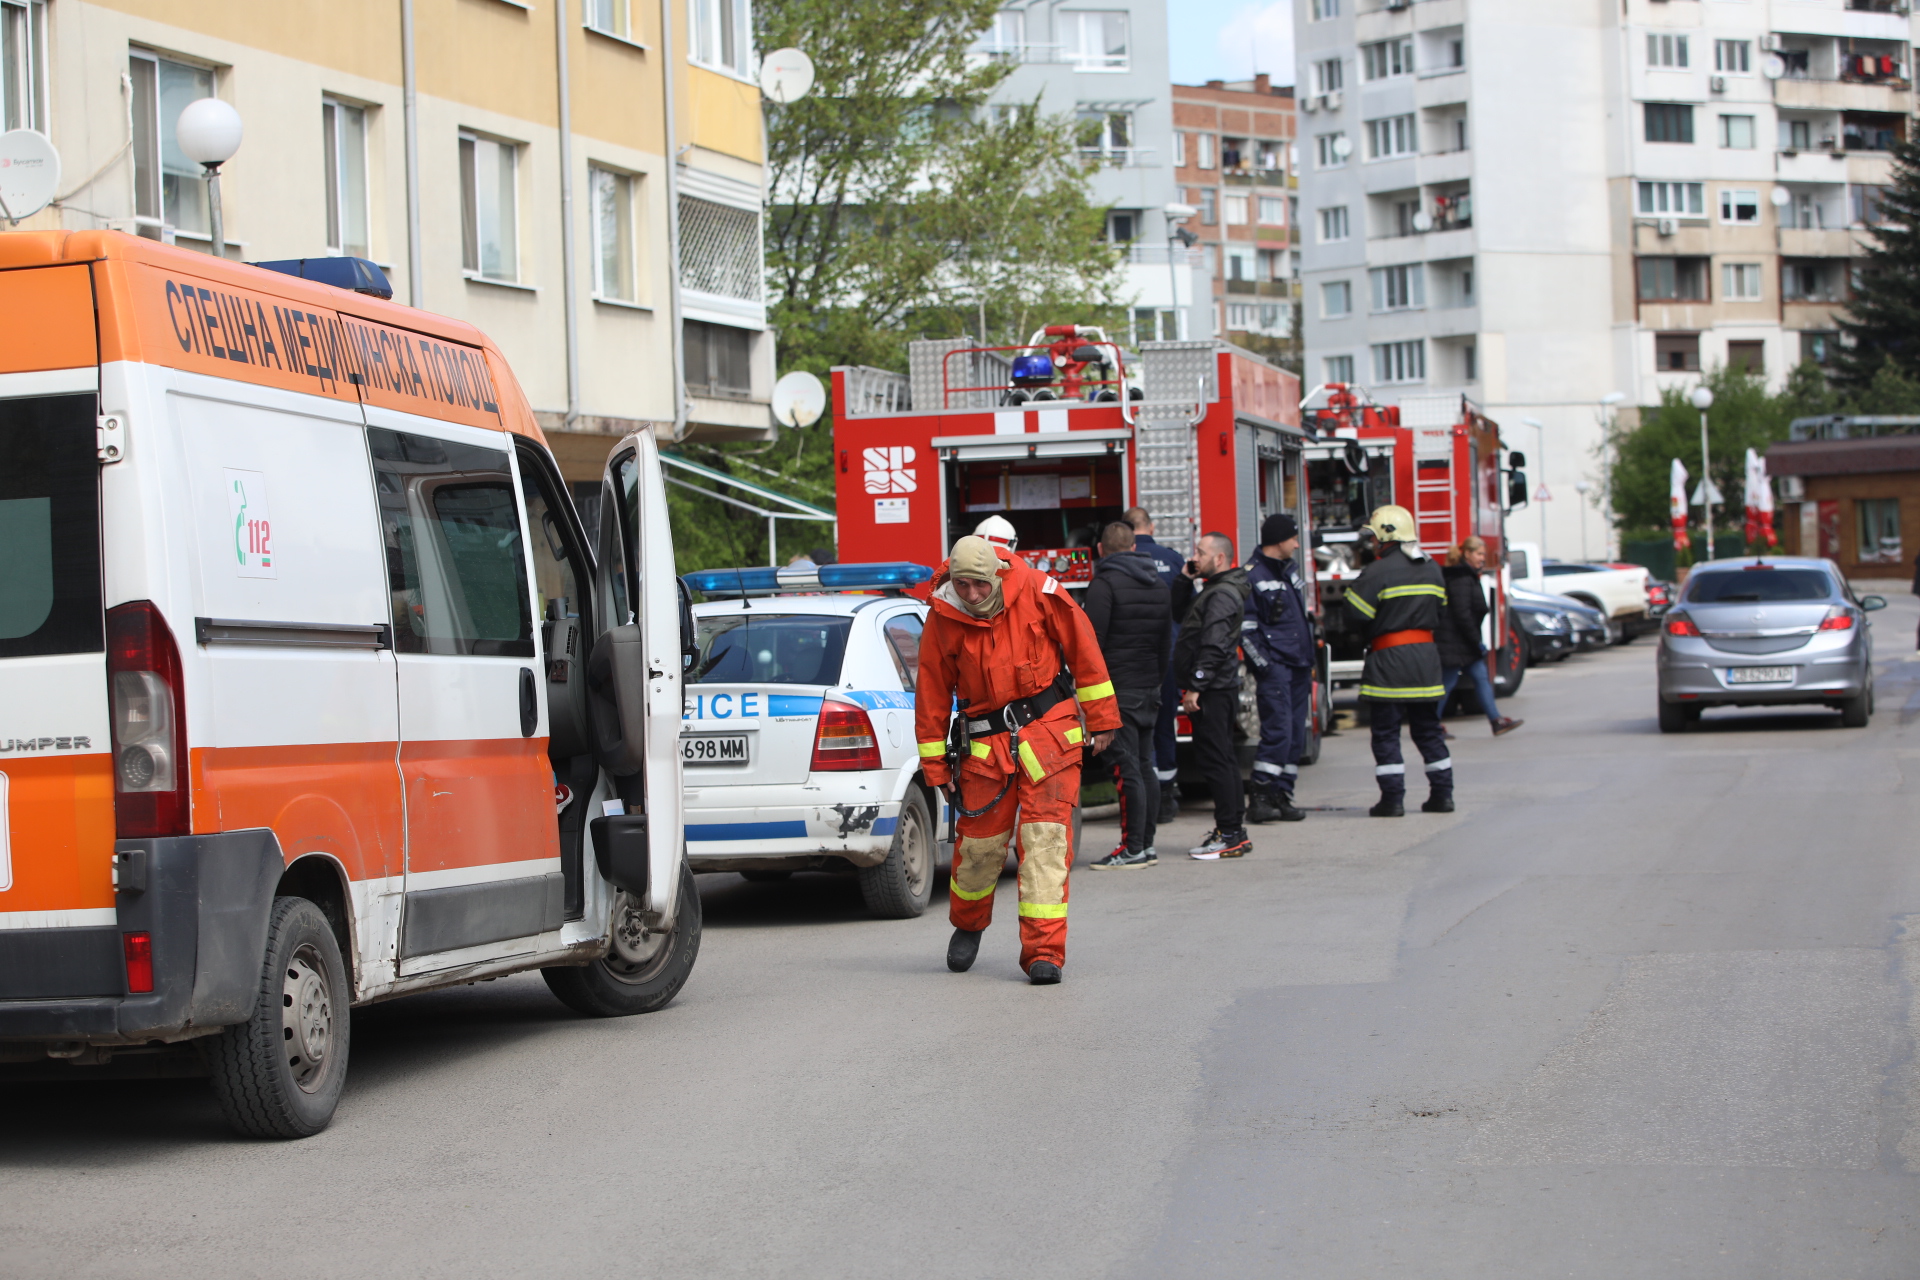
(798, 739)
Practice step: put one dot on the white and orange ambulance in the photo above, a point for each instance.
(311, 690)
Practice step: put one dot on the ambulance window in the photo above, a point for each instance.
(556, 582)
(617, 519)
(903, 642)
(49, 527)
(455, 564)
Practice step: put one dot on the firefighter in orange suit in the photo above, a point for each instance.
(1033, 692)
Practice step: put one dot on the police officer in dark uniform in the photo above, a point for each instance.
(1400, 596)
(1277, 639)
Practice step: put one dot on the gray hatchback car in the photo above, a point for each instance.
(1766, 631)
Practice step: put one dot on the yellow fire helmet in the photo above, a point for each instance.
(1393, 524)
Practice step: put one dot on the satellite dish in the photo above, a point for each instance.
(1773, 66)
(29, 173)
(1423, 221)
(786, 75)
(1780, 197)
(798, 400)
(1342, 146)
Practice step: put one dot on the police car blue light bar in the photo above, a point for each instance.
(766, 580)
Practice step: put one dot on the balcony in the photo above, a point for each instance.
(1246, 177)
(1260, 288)
(1117, 157)
(1807, 94)
(1796, 242)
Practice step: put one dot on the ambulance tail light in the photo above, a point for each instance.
(149, 724)
(844, 741)
(139, 952)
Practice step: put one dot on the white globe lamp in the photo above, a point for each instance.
(209, 132)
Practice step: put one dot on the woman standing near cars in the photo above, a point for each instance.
(1458, 638)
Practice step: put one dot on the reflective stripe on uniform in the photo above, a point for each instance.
(1093, 692)
(1445, 762)
(1429, 693)
(1290, 768)
(1165, 775)
(1353, 598)
(1414, 589)
(928, 750)
(1031, 762)
(981, 750)
(1074, 734)
(958, 892)
(1044, 910)
(1261, 766)
(1388, 770)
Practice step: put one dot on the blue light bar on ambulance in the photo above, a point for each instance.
(766, 580)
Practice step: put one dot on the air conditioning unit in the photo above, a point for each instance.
(1667, 226)
(1773, 42)
(1309, 104)
(1332, 101)
(1718, 84)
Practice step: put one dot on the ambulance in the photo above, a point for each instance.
(314, 691)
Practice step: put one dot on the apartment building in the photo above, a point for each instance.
(462, 200)
(1105, 65)
(1234, 161)
(1538, 203)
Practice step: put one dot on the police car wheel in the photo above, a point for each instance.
(643, 969)
(279, 1074)
(900, 887)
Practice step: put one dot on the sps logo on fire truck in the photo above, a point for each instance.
(890, 469)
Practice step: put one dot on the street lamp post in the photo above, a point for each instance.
(1702, 398)
(1611, 403)
(1177, 234)
(1540, 463)
(209, 132)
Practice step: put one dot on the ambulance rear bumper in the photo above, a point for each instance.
(204, 903)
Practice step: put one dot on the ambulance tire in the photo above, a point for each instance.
(267, 1086)
(616, 987)
(901, 887)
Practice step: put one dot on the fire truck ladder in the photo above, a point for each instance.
(1436, 504)
(1179, 385)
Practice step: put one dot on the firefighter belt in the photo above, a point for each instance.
(1044, 790)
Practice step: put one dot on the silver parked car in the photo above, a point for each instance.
(1766, 631)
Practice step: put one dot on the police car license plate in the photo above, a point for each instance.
(715, 748)
(1760, 675)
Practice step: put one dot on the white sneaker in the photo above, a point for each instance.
(1208, 849)
(1204, 855)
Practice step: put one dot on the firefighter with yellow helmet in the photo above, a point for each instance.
(1399, 597)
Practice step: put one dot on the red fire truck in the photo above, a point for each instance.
(1441, 459)
(1204, 435)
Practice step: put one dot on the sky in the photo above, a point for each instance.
(1230, 39)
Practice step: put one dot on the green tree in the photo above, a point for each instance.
(1743, 416)
(1882, 324)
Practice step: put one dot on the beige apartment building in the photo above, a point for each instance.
(450, 155)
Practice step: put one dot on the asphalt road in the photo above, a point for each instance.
(1644, 1006)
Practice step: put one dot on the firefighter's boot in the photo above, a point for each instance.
(1393, 800)
(1264, 805)
(1289, 811)
(962, 949)
(1169, 803)
(1043, 973)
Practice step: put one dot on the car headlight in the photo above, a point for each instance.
(1543, 623)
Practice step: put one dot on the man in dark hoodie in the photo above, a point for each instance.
(1180, 591)
(1132, 618)
(1206, 659)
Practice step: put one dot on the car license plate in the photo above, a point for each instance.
(1760, 675)
(715, 748)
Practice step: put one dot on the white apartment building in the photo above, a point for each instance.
(1538, 203)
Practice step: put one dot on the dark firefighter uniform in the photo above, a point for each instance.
(1399, 597)
(1277, 638)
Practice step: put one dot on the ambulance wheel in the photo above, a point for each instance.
(901, 887)
(642, 971)
(279, 1073)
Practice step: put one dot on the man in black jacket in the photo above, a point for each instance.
(1172, 565)
(1132, 619)
(1206, 659)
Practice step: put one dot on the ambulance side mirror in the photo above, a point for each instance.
(689, 640)
(1516, 489)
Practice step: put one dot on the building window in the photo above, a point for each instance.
(1328, 76)
(1123, 227)
(23, 82)
(1470, 362)
(1749, 356)
(1329, 150)
(1179, 150)
(718, 362)
(1734, 56)
(490, 207)
(1676, 352)
(1809, 281)
(1816, 347)
(1740, 281)
(1242, 315)
(1400, 361)
(1404, 213)
(1673, 199)
(1796, 135)
(344, 129)
(721, 35)
(1867, 205)
(1112, 135)
(170, 191)
(1387, 58)
(1338, 368)
(1006, 37)
(1239, 264)
(609, 16)
(1879, 530)
(1393, 136)
(1871, 130)
(1673, 279)
(1094, 39)
(1273, 211)
(720, 251)
(1669, 122)
(1736, 132)
(1236, 210)
(1155, 325)
(1324, 9)
(613, 258)
(1206, 151)
(1666, 50)
(1739, 205)
(1336, 299)
(1399, 288)
(1209, 214)
(1333, 224)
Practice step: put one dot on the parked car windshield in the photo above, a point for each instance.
(752, 647)
(1758, 586)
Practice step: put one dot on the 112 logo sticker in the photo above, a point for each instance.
(252, 520)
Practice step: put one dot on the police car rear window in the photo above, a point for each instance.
(49, 527)
(1758, 586)
(752, 647)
